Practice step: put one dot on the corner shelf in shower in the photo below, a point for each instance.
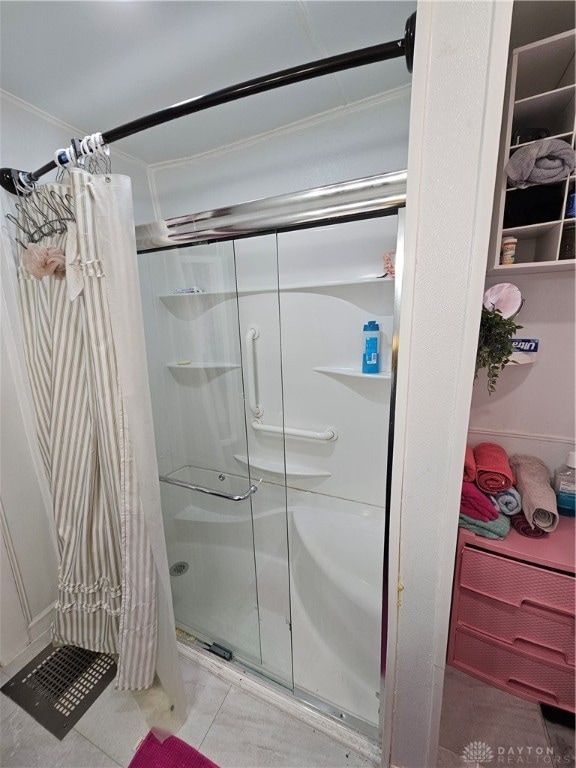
(274, 288)
(203, 366)
(167, 297)
(354, 373)
(277, 467)
(336, 283)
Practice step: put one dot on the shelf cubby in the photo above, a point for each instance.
(557, 53)
(565, 136)
(536, 242)
(553, 111)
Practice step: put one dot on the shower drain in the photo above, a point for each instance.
(179, 568)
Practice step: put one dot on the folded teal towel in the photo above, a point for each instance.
(509, 502)
(493, 529)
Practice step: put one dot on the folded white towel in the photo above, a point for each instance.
(538, 497)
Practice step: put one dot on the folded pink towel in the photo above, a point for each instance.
(469, 466)
(476, 504)
(493, 473)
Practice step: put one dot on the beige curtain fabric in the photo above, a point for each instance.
(85, 353)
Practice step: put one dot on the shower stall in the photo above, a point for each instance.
(272, 444)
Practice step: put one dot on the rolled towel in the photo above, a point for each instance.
(476, 504)
(469, 466)
(538, 498)
(493, 529)
(493, 473)
(542, 162)
(509, 502)
(520, 524)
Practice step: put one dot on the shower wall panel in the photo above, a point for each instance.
(290, 579)
(331, 284)
(194, 358)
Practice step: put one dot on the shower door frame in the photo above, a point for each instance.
(368, 197)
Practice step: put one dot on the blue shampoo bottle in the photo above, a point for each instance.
(371, 355)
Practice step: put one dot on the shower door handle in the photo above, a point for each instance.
(255, 406)
(210, 491)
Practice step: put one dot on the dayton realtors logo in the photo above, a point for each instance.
(478, 753)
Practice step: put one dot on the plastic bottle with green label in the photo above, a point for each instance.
(565, 486)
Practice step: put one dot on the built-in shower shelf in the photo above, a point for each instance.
(202, 366)
(235, 516)
(335, 283)
(354, 373)
(167, 297)
(273, 288)
(198, 515)
(277, 467)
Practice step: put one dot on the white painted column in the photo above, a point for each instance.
(458, 89)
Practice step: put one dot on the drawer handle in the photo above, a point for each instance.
(547, 609)
(538, 693)
(531, 645)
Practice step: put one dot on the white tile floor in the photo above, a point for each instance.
(226, 723)
(475, 712)
(237, 730)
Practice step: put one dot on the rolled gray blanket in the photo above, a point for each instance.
(542, 162)
(509, 502)
(538, 497)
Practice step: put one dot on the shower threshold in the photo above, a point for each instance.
(295, 703)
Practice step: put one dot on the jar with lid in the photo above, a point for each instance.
(508, 250)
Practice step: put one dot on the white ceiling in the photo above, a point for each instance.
(97, 65)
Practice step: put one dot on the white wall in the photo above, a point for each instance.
(458, 88)
(14, 632)
(26, 527)
(29, 138)
(532, 410)
(364, 139)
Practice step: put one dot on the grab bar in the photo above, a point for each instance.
(251, 336)
(209, 491)
(329, 433)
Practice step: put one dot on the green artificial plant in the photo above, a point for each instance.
(494, 344)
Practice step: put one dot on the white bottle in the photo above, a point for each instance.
(565, 486)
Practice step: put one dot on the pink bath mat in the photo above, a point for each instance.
(173, 753)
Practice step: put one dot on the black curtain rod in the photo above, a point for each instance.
(10, 177)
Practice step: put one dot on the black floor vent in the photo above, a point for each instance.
(59, 685)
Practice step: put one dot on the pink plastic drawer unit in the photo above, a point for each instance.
(527, 627)
(516, 583)
(529, 676)
(512, 622)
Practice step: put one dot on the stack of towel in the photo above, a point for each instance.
(487, 493)
(489, 499)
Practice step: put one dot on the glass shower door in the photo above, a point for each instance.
(195, 362)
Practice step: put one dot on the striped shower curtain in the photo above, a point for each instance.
(84, 347)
